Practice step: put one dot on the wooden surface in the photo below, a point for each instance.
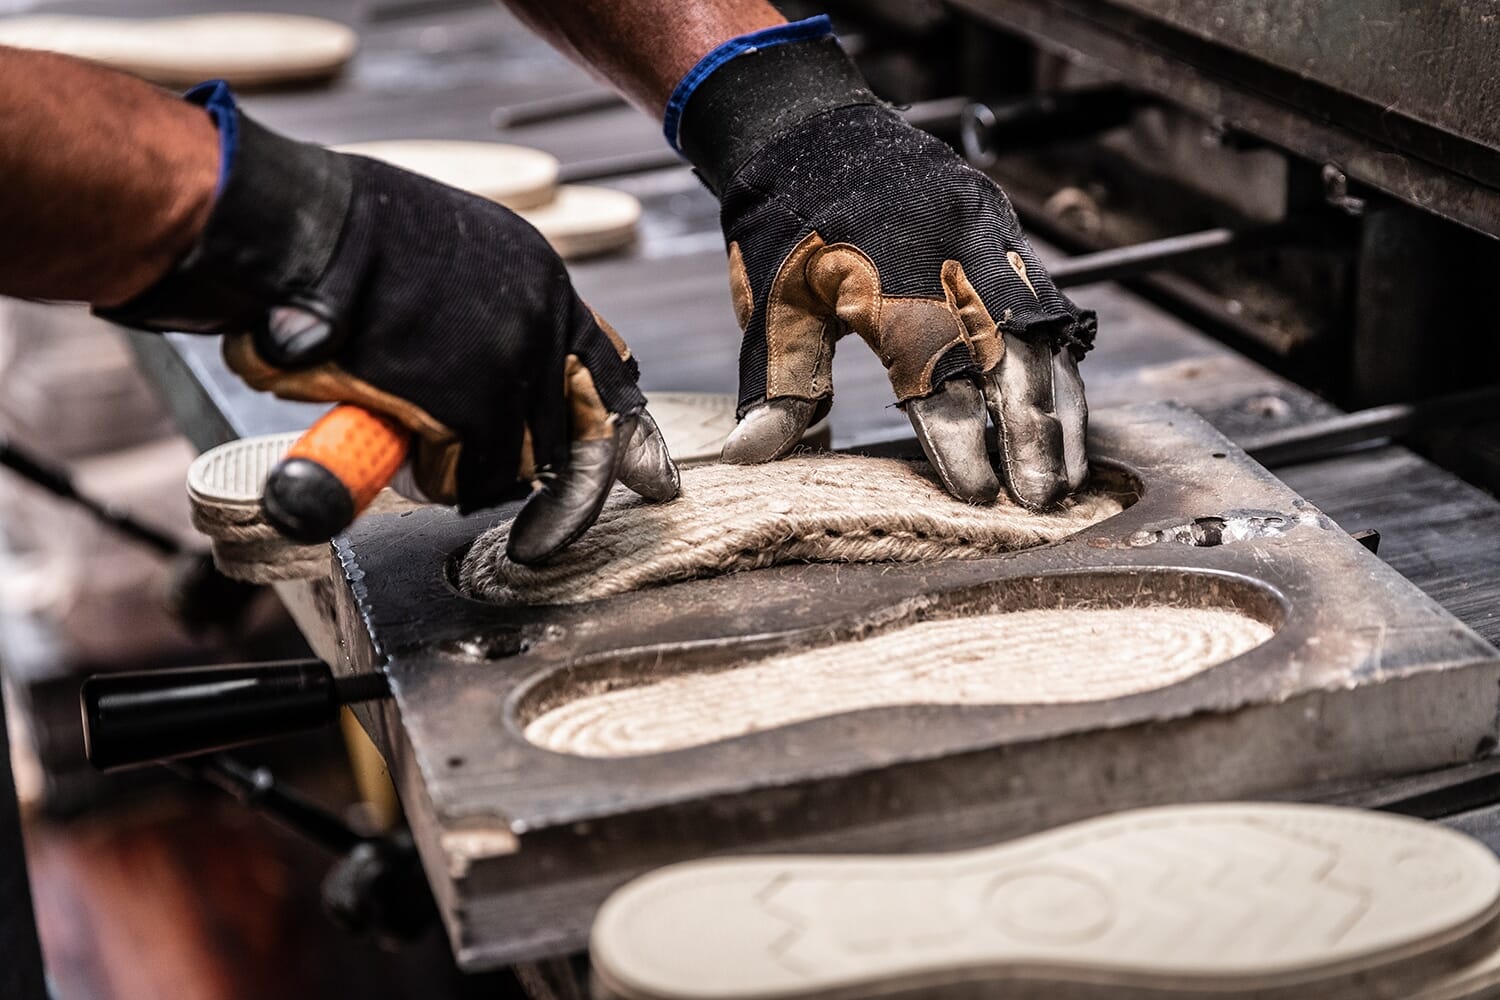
(187, 895)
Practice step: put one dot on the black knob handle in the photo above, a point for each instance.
(146, 716)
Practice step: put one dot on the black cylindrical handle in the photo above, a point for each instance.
(142, 717)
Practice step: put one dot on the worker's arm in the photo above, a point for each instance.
(104, 180)
(839, 217)
(333, 278)
(643, 47)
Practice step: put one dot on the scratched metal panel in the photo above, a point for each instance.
(1432, 61)
(1425, 136)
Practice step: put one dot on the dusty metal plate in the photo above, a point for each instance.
(1364, 676)
(1277, 70)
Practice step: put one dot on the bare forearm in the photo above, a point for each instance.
(107, 179)
(643, 47)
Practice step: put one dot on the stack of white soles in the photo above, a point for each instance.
(1229, 900)
(579, 221)
(224, 485)
(246, 49)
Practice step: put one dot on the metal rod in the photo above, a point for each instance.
(1320, 438)
(622, 165)
(990, 130)
(353, 688)
(551, 109)
(1119, 263)
(942, 114)
(257, 788)
(140, 717)
(1137, 258)
(59, 483)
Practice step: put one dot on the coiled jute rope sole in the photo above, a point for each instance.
(815, 508)
(224, 485)
(1038, 656)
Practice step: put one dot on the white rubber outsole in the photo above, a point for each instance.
(1232, 900)
(247, 49)
(583, 221)
(515, 176)
(234, 474)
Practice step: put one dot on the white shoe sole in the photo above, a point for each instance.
(1233, 900)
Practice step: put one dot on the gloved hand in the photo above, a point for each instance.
(340, 278)
(841, 217)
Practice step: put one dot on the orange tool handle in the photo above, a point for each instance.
(333, 472)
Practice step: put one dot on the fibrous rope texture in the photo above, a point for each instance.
(1037, 656)
(818, 508)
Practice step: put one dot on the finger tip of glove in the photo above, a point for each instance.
(659, 490)
(768, 431)
(1039, 492)
(745, 451)
(532, 538)
(647, 467)
(972, 486)
(530, 552)
(755, 443)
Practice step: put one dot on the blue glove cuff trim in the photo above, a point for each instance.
(810, 29)
(215, 97)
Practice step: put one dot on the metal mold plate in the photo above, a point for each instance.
(1364, 676)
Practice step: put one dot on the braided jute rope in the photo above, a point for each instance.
(246, 548)
(815, 508)
(1041, 656)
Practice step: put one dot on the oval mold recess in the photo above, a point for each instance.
(1065, 638)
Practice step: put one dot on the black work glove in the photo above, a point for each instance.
(339, 278)
(842, 217)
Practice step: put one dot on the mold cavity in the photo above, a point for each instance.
(973, 650)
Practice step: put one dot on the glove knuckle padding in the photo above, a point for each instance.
(855, 221)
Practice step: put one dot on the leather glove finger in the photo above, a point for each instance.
(1019, 394)
(646, 467)
(786, 367)
(950, 425)
(1073, 413)
(568, 504)
(769, 430)
(604, 447)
